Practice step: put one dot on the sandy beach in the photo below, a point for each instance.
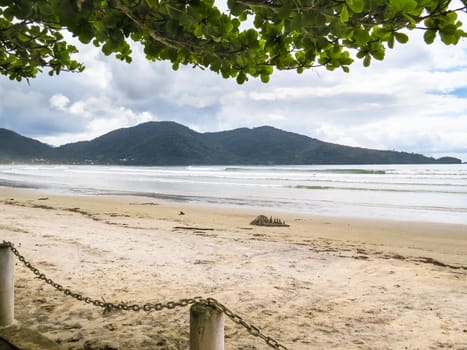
(321, 283)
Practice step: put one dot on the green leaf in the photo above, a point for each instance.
(252, 35)
(361, 36)
(412, 21)
(403, 5)
(241, 78)
(198, 31)
(107, 49)
(448, 39)
(391, 41)
(356, 6)
(401, 37)
(265, 78)
(367, 61)
(22, 37)
(362, 53)
(429, 36)
(151, 3)
(86, 35)
(344, 16)
(450, 29)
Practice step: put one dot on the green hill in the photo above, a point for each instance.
(17, 148)
(169, 143)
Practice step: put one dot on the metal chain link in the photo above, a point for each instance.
(253, 330)
(148, 307)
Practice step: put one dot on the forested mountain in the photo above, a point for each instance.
(169, 143)
(14, 147)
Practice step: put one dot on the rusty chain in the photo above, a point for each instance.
(148, 307)
(252, 330)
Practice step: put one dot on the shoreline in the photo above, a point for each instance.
(322, 282)
(407, 193)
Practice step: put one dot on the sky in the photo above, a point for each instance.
(414, 101)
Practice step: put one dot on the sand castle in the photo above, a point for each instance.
(263, 220)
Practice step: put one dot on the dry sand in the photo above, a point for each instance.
(321, 283)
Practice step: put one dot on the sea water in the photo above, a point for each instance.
(428, 193)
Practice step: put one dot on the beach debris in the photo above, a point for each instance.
(262, 220)
(181, 213)
(193, 228)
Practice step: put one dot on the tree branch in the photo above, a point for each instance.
(155, 36)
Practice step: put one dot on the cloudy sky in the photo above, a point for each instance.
(415, 100)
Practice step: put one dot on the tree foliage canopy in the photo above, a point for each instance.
(251, 38)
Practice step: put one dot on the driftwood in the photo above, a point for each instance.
(263, 220)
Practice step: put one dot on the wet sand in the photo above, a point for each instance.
(321, 283)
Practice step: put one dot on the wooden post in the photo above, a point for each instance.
(206, 328)
(7, 288)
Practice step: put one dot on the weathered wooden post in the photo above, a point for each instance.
(206, 328)
(7, 288)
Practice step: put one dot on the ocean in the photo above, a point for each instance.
(426, 193)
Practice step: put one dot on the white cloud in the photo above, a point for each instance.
(59, 102)
(79, 109)
(101, 117)
(418, 134)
